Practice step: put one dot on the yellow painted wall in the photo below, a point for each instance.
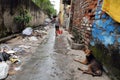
(62, 12)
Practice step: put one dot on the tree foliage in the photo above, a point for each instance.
(46, 6)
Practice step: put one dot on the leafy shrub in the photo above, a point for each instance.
(23, 18)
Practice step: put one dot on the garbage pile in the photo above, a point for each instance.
(12, 55)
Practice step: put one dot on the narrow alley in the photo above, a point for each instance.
(53, 60)
(59, 40)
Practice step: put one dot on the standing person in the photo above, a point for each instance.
(57, 24)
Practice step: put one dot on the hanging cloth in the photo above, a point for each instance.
(112, 8)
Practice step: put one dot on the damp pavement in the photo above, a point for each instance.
(53, 60)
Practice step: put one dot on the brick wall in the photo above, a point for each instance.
(98, 31)
(83, 16)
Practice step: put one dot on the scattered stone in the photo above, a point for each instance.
(77, 46)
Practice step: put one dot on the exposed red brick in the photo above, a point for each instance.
(86, 9)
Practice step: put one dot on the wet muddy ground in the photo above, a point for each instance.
(53, 60)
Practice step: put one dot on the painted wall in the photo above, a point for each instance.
(106, 42)
(105, 29)
(62, 12)
(99, 32)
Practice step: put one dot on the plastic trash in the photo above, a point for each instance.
(27, 31)
(4, 47)
(11, 52)
(17, 68)
(18, 49)
(4, 67)
(33, 38)
(47, 20)
(4, 56)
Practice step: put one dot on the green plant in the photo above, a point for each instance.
(46, 6)
(23, 18)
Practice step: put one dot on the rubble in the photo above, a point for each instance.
(21, 48)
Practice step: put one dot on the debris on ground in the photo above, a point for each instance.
(4, 67)
(20, 50)
(27, 31)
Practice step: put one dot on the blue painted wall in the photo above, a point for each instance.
(106, 32)
(105, 29)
